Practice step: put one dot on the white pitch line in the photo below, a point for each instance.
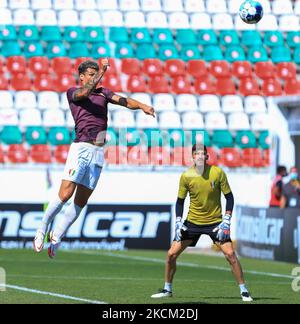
(34, 291)
(192, 265)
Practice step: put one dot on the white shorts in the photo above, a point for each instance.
(84, 164)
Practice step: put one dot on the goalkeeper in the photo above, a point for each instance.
(204, 183)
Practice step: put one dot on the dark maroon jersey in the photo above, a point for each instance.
(90, 115)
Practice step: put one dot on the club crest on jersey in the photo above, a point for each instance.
(72, 172)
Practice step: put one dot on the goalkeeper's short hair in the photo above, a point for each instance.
(199, 147)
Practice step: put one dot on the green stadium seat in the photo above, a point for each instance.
(293, 39)
(264, 140)
(73, 135)
(222, 138)
(229, 37)
(251, 38)
(35, 135)
(145, 51)
(273, 38)
(55, 49)
(162, 36)
(281, 54)
(129, 137)
(100, 50)
(257, 54)
(167, 52)
(245, 139)
(197, 137)
(32, 49)
(10, 48)
(235, 53)
(207, 37)
(186, 37)
(124, 50)
(94, 35)
(140, 36)
(190, 52)
(50, 34)
(11, 135)
(28, 33)
(79, 49)
(59, 136)
(212, 53)
(8, 33)
(73, 34)
(296, 56)
(118, 35)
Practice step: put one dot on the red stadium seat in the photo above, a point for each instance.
(62, 65)
(152, 67)
(131, 66)
(20, 82)
(292, 87)
(63, 82)
(220, 69)
(159, 156)
(137, 155)
(204, 85)
(43, 82)
(242, 69)
(136, 83)
(17, 153)
(225, 86)
(113, 82)
(230, 157)
(249, 87)
(180, 85)
(159, 84)
(77, 62)
(40, 154)
(2, 155)
(253, 157)
(264, 70)
(1, 65)
(286, 70)
(61, 153)
(175, 68)
(213, 158)
(16, 64)
(182, 156)
(271, 87)
(197, 68)
(115, 155)
(267, 157)
(39, 65)
(3, 82)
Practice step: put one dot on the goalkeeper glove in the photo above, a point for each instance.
(179, 226)
(224, 229)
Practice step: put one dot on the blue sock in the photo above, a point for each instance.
(243, 288)
(168, 286)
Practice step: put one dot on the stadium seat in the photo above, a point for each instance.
(238, 121)
(43, 82)
(70, 120)
(118, 35)
(59, 136)
(25, 100)
(8, 117)
(192, 6)
(212, 53)
(67, 18)
(152, 67)
(156, 20)
(136, 83)
(192, 120)
(222, 21)
(159, 156)
(204, 85)
(2, 155)
(289, 23)
(225, 86)
(207, 37)
(222, 138)
(186, 102)
(64, 82)
(122, 118)
(8, 33)
(200, 21)
(282, 7)
(20, 82)
(190, 52)
(186, 37)
(134, 19)
(53, 118)
(5, 17)
(281, 54)
(142, 97)
(145, 51)
(220, 69)
(39, 65)
(48, 100)
(3, 82)
(32, 49)
(37, 4)
(269, 22)
(7, 99)
(61, 65)
(10, 48)
(167, 52)
(286, 70)
(251, 38)
(209, 103)
(175, 68)
(159, 84)
(55, 49)
(273, 38)
(179, 20)
(232, 103)
(23, 17)
(140, 36)
(249, 87)
(163, 102)
(51, 34)
(73, 34)
(40, 153)
(197, 68)
(61, 153)
(169, 119)
(229, 37)
(292, 87)
(16, 153)
(78, 49)
(100, 50)
(235, 53)
(90, 18)
(94, 34)
(19, 4)
(213, 158)
(113, 82)
(180, 85)
(131, 66)
(240, 25)
(28, 33)
(260, 122)
(264, 70)
(271, 87)
(124, 50)
(230, 157)
(182, 156)
(16, 64)
(11, 135)
(215, 120)
(255, 104)
(293, 39)
(35, 135)
(253, 158)
(30, 117)
(46, 17)
(257, 54)
(145, 121)
(245, 139)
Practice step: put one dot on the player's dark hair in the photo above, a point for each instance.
(281, 169)
(87, 65)
(197, 147)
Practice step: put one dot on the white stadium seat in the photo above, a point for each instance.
(192, 6)
(107, 5)
(30, 117)
(255, 104)
(169, 119)
(69, 119)
(64, 104)
(53, 118)
(241, 26)
(150, 5)
(289, 23)
(134, 19)
(112, 18)
(48, 100)
(233, 6)
(5, 17)
(260, 122)
(8, 117)
(238, 121)
(209, 103)
(19, 4)
(123, 118)
(46, 17)
(232, 103)
(172, 5)
(63, 4)
(38, 4)
(178, 20)
(7, 100)
(297, 8)
(23, 17)
(282, 7)
(90, 18)
(145, 121)
(215, 120)
(25, 100)
(156, 20)
(68, 18)
(192, 120)
(186, 102)
(163, 102)
(129, 5)
(85, 4)
(266, 6)
(142, 97)
(268, 23)
(216, 6)
(200, 21)
(222, 22)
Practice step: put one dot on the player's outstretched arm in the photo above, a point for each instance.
(89, 87)
(133, 105)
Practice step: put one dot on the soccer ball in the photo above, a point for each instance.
(251, 12)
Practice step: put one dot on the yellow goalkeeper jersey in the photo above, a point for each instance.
(205, 194)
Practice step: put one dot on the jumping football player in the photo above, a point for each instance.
(204, 183)
(88, 104)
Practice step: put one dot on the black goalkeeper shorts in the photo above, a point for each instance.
(194, 232)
